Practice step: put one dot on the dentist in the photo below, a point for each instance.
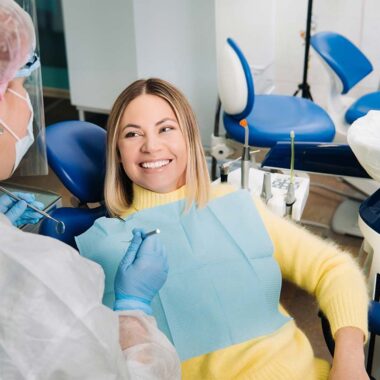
(52, 321)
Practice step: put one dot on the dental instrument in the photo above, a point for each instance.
(246, 156)
(153, 232)
(266, 192)
(144, 236)
(60, 226)
(290, 195)
(225, 169)
(150, 233)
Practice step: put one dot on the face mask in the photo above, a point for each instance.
(23, 144)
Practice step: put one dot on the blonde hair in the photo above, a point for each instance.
(118, 188)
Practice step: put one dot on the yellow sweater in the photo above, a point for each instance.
(308, 261)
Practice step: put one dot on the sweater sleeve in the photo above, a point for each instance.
(321, 268)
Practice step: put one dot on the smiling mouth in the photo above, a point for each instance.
(155, 164)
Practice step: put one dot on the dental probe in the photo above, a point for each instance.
(144, 236)
(150, 233)
(246, 157)
(290, 195)
(60, 226)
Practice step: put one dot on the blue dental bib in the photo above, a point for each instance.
(223, 285)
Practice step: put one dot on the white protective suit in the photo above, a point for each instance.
(53, 325)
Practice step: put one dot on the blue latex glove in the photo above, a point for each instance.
(141, 273)
(17, 211)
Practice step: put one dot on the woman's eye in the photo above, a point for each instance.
(166, 129)
(131, 134)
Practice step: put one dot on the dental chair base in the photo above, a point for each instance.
(345, 220)
(364, 185)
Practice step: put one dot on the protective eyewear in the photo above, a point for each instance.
(29, 67)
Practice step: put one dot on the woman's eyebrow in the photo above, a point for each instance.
(165, 120)
(158, 123)
(130, 126)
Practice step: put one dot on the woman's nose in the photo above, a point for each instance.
(151, 144)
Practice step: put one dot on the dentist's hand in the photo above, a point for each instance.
(141, 273)
(17, 211)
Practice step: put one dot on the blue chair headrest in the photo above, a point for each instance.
(76, 152)
(344, 58)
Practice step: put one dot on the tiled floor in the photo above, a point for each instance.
(320, 207)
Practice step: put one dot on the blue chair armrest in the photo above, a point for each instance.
(328, 158)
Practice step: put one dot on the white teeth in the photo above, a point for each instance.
(154, 164)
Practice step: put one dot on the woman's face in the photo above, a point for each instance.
(151, 145)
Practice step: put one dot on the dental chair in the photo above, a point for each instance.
(346, 66)
(76, 154)
(270, 117)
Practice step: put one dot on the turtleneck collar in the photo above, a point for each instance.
(143, 198)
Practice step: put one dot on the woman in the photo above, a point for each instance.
(53, 324)
(220, 305)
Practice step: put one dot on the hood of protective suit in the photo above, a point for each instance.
(52, 323)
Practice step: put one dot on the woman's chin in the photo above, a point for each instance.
(159, 188)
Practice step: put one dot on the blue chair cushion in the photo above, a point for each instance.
(274, 116)
(77, 221)
(361, 106)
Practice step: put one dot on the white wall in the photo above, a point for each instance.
(175, 40)
(110, 46)
(251, 23)
(95, 38)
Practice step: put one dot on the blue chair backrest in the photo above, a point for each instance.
(76, 152)
(235, 82)
(344, 58)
